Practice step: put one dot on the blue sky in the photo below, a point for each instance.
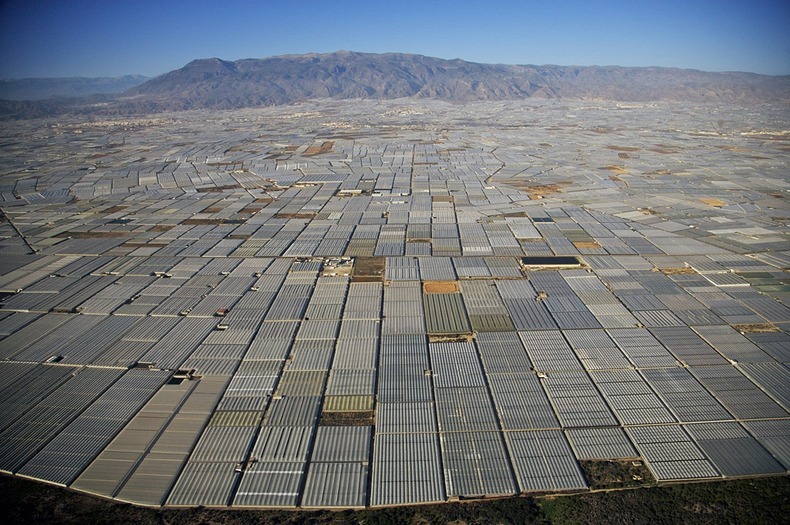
(55, 38)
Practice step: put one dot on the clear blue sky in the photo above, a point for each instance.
(41, 38)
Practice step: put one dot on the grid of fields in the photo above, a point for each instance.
(350, 304)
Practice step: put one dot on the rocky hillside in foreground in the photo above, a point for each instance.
(218, 84)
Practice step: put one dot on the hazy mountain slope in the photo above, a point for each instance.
(219, 84)
(214, 83)
(44, 88)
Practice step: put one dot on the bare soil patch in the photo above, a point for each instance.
(450, 338)
(678, 271)
(622, 148)
(440, 287)
(617, 169)
(609, 474)
(368, 269)
(755, 328)
(345, 419)
(712, 201)
(590, 245)
(326, 147)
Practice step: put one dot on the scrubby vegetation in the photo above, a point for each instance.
(616, 474)
(765, 500)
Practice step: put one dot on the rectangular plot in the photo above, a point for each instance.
(528, 314)
(732, 344)
(336, 485)
(456, 365)
(460, 409)
(270, 485)
(436, 269)
(204, 484)
(543, 461)
(774, 378)
(642, 348)
(476, 464)
(342, 444)
(414, 324)
(737, 393)
(684, 395)
(293, 412)
(773, 436)
(600, 443)
(576, 400)
(733, 450)
(152, 480)
(502, 352)
(521, 403)
(283, 444)
(687, 346)
(491, 322)
(351, 381)
(670, 453)
(87, 435)
(406, 418)
(445, 314)
(549, 351)
(406, 470)
(402, 387)
(223, 444)
(482, 297)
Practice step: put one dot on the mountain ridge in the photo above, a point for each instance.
(214, 83)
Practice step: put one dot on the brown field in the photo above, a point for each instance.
(368, 269)
(712, 201)
(587, 245)
(535, 191)
(440, 287)
(617, 169)
(610, 474)
(449, 338)
(678, 271)
(756, 328)
(343, 419)
(326, 147)
(443, 198)
(622, 148)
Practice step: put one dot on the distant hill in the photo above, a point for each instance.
(45, 88)
(219, 84)
(215, 83)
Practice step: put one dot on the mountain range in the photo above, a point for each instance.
(218, 84)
